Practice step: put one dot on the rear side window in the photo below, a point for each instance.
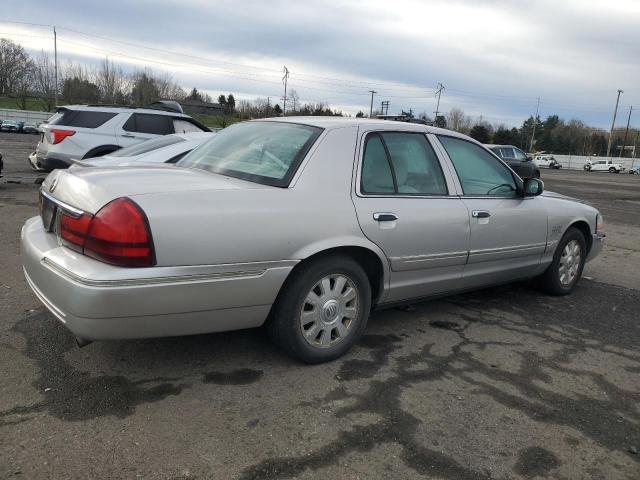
(81, 118)
(148, 123)
(401, 163)
(479, 172)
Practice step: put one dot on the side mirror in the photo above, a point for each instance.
(533, 187)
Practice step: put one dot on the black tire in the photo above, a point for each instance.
(612, 170)
(284, 324)
(549, 281)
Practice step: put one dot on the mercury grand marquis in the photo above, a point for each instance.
(301, 224)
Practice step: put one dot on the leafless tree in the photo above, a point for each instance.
(294, 98)
(112, 82)
(458, 121)
(44, 80)
(14, 60)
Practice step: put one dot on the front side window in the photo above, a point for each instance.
(519, 154)
(479, 172)
(401, 163)
(261, 152)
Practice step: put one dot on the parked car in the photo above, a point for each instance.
(166, 149)
(303, 222)
(28, 127)
(603, 166)
(519, 161)
(77, 132)
(635, 170)
(546, 161)
(9, 126)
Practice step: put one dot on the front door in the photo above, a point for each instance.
(404, 205)
(508, 232)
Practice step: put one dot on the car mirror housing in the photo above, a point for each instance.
(533, 187)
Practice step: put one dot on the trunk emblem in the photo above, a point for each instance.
(52, 187)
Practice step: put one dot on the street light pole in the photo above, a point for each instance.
(615, 112)
(55, 66)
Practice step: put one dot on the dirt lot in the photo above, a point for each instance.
(502, 383)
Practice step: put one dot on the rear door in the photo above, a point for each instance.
(143, 126)
(404, 205)
(508, 232)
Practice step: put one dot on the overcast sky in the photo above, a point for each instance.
(494, 57)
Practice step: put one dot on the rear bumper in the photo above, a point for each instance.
(101, 302)
(597, 244)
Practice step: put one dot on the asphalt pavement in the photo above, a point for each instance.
(497, 384)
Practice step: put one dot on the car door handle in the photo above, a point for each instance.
(480, 214)
(128, 135)
(384, 217)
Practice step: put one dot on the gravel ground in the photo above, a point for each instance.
(502, 383)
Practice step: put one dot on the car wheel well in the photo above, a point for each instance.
(367, 259)
(586, 231)
(101, 150)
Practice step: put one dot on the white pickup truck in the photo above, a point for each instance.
(603, 166)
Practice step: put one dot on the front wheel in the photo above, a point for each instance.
(322, 309)
(565, 270)
(612, 170)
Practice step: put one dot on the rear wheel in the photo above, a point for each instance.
(322, 309)
(565, 270)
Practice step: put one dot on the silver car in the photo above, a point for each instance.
(304, 224)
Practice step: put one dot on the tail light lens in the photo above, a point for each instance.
(118, 234)
(73, 230)
(58, 135)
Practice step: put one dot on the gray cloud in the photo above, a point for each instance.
(494, 57)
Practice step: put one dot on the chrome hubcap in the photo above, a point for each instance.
(570, 263)
(329, 311)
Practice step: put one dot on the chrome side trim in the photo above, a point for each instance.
(509, 249)
(65, 206)
(433, 256)
(150, 280)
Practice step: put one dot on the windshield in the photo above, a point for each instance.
(261, 152)
(147, 146)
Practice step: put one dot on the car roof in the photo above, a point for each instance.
(369, 123)
(121, 109)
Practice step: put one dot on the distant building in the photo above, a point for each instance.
(192, 107)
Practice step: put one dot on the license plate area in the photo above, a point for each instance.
(47, 213)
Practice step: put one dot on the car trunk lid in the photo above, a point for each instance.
(89, 189)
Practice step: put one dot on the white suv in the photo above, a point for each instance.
(76, 132)
(603, 166)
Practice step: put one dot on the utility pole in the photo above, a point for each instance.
(635, 144)
(268, 105)
(624, 142)
(437, 94)
(373, 92)
(284, 99)
(535, 121)
(55, 66)
(384, 107)
(615, 112)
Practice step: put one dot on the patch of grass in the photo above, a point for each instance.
(217, 121)
(33, 104)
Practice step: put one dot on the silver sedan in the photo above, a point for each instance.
(304, 224)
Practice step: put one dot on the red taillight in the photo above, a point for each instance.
(73, 230)
(58, 135)
(119, 234)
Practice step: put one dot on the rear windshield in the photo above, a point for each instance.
(147, 146)
(81, 118)
(261, 152)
